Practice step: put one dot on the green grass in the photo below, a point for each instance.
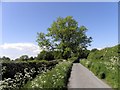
(56, 78)
(104, 64)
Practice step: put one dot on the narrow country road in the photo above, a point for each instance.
(81, 77)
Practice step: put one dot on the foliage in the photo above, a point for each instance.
(84, 53)
(65, 36)
(45, 55)
(57, 54)
(4, 59)
(18, 81)
(56, 78)
(24, 58)
(93, 50)
(72, 59)
(15, 75)
(102, 75)
(104, 63)
(13, 68)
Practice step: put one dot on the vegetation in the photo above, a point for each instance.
(65, 36)
(56, 78)
(45, 55)
(4, 59)
(13, 68)
(24, 58)
(64, 44)
(104, 64)
(15, 75)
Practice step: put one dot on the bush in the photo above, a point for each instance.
(15, 75)
(72, 59)
(45, 55)
(56, 78)
(93, 50)
(102, 75)
(13, 68)
(57, 55)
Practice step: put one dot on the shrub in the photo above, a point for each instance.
(102, 75)
(15, 75)
(72, 59)
(57, 54)
(13, 68)
(56, 78)
(93, 50)
(45, 55)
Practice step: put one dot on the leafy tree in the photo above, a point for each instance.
(4, 58)
(94, 49)
(31, 58)
(84, 54)
(45, 55)
(57, 54)
(66, 36)
(24, 57)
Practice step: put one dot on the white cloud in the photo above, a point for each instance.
(15, 50)
(99, 48)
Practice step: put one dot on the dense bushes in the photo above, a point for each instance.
(13, 68)
(45, 55)
(102, 75)
(57, 54)
(104, 64)
(15, 75)
(56, 78)
(53, 55)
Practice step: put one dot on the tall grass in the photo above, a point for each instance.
(104, 64)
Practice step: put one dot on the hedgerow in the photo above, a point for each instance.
(56, 78)
(15, 75)
(104, 64)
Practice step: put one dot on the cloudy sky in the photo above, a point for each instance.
(21, 22)
(15, 50)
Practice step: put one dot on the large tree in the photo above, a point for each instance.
(66, 36)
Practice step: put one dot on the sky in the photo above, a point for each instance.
(60, 0)
(21, 21)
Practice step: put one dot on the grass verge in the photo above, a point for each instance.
(56, 78)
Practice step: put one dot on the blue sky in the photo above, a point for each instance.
(22, 21)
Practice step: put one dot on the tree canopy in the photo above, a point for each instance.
(65, 36)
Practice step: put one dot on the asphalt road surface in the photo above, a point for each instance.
(81, 77)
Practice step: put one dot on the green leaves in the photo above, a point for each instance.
(16, 75)
(56, 78)
(64, 33)
(43, 42)
(45, 55)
